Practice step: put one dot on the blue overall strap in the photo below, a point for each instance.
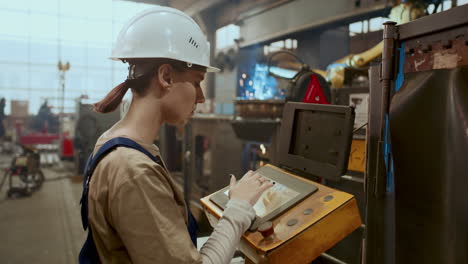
(88, 253)
(94, 160)
(192, 226)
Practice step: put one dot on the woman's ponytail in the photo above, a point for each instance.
(112, 99)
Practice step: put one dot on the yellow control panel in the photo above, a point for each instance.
(302, 232)
(357, 156)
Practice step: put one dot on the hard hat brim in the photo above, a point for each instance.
(212, 69)
(208, 67)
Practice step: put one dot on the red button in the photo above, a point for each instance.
(266, 229)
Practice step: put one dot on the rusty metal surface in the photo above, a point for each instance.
(437, 53)
(438, 41)
(259, 108)
(442, 21)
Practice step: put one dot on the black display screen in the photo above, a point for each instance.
(317, 135)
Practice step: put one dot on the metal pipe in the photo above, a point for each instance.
(386, 77)
(332, 259)
(386, 74)
(352, 178)
(373, 251)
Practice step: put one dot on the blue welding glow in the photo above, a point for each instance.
(261, 86)
(282, 72)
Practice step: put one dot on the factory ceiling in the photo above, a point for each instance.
(266, 20)
(227, 11)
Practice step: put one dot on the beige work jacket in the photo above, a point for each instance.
(136, 211)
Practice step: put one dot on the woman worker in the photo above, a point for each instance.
(135, 212)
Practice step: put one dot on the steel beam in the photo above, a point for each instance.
(301, 15)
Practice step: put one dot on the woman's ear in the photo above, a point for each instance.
(165, 72)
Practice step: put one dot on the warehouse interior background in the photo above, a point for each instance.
(54, 63)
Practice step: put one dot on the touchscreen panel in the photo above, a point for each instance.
(273, 198)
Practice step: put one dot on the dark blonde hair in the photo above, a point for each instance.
(139, 84)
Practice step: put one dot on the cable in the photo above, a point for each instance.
(359, 128)
(4, 179)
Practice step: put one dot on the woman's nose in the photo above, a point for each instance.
(200, 97)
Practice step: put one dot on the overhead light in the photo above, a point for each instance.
(263, 149)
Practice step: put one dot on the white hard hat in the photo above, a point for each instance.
(163, 32)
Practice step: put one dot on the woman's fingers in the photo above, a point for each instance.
(250, 187)
(248, 174)
(256, 177)
(233, 181)
(265, 186)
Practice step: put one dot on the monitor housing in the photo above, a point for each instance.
(315, 139)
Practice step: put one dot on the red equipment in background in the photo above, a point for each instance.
(67, 148)
(314, 93)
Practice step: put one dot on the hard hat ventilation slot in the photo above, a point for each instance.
(192, 41)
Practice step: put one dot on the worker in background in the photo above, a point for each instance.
(136, 212)
(2, 117)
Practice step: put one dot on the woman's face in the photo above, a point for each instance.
(183, 96)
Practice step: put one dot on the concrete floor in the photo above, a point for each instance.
(45, 227)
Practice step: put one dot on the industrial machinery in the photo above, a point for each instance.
(89, 126)
(380, 233)
(417, 143)
(260, 107)
(209, 138)
(302, 85)
(304, 218)
(355, 65)
(26, 167)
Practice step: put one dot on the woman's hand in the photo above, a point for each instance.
(249, 188)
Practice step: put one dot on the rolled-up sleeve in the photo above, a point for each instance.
(149, 221)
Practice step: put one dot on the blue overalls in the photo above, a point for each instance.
(88, 253)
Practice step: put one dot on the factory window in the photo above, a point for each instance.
(226, 36)
(40, 33)
(462, 2)
(447, 4)
(286, 44)
(375, 24)
(365, 26)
